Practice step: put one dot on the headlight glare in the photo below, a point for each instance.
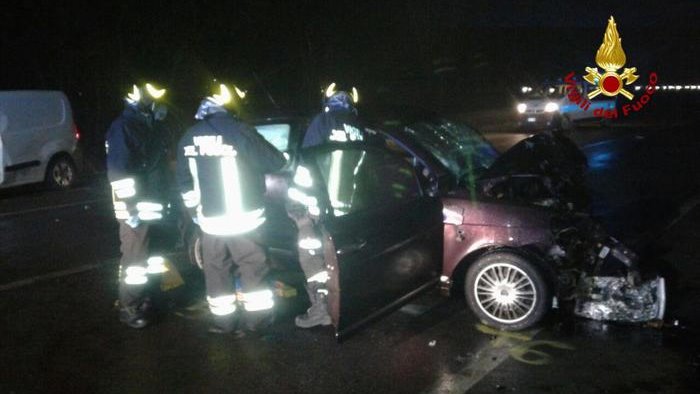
(551, 107)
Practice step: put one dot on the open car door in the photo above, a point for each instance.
(384, 235)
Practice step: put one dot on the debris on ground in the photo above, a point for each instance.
(657, 323)
(432, 343)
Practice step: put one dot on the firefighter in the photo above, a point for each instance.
(137, 171)
(336, 123)
(221, 170)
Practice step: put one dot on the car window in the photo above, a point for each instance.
(276, 134)
(462, 150)
(359, 180)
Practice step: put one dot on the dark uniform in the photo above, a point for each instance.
(338, 123)
(137, 171)
(221, 170)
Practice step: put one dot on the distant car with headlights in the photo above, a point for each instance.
(547, 106)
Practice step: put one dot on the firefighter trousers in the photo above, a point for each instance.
(309, 245)
(226, 258)
(133, 264)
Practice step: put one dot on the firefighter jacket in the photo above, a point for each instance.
(137, 165)
(221, 170)
(336, 125)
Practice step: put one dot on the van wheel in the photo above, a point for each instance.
(60, 173)
(507, 291)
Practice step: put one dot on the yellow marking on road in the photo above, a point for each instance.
(519, 346)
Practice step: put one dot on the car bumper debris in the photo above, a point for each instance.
(617, 299)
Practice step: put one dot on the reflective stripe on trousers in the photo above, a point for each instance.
(257, 300)
(124, 188)
(149, 210)
(222, 305)
(310, 243)
(145, 210)
(321, 277)
(135, 275)
(156, 265)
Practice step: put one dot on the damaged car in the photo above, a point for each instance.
(430, 202)
(517, 238)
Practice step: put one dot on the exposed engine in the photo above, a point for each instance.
(594, 270)
(601, 275)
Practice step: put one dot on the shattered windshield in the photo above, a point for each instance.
(461, 149)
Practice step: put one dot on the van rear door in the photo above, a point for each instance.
(33, 118)
(39, 125)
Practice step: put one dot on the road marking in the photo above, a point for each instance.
(67, 272)
(39, 209)
(684, 210)
(54, 275)
(488, 358)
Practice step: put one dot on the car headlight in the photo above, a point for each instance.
(551, 107)
(521, 108)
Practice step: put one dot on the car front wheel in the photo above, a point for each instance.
(507, 291)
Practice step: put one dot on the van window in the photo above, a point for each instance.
(32, 111)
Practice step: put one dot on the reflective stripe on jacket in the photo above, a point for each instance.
(221, 170)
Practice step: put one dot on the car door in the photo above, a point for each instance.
(384, 233)
(279, 231)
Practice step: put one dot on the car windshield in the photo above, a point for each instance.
(461, 149)
(545, 91)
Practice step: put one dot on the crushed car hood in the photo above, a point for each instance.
(544, 169)
(541, 154)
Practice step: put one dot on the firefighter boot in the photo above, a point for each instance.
(317, 314)
(226, 325)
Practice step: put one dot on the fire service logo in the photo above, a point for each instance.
(611, 58)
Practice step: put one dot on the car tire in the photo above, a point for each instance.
(507, 291)
(61, 173)
(194, 249)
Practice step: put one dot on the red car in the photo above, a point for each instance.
(430, 202)
(516, 235)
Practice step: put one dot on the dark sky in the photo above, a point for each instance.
(445, 54)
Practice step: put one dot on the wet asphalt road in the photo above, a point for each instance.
(58, 267)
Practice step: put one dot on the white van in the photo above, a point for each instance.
(548, 106)
(38, 139)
